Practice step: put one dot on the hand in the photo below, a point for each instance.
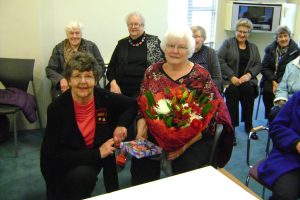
(120, 133)
(142, 129)
(246, 77)
(114, 87)
(175, 154)
(275, 85)
(298, 147)
(64, 85)
(107, 148)
(235, 81)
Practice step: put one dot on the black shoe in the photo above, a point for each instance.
(234, 141)
(254, 136)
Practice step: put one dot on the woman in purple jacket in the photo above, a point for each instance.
(281, 170)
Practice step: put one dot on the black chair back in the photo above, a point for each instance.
(15, 72)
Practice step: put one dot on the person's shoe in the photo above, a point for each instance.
(121, 159)
(254, 136)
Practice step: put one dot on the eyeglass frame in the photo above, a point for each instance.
(87, 78)
(178, 47)
(135, 25)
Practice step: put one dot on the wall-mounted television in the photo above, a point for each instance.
(265, 17)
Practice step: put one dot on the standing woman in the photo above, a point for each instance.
(240, 64)
(132, 55)
(83, 125)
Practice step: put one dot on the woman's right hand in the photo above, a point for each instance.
(235, 81)
(107, 148)
(64, 85)
(114, 87)
(142, 129)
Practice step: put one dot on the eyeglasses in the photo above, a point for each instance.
(178, 47)
(87, 78)
(134, 25)
(243, 32)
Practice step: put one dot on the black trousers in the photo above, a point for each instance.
(246, 94)
(144, 170)
(287, 186)
(268, 97)
(78, 183)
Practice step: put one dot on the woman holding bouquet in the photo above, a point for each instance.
(178, 45)
(79, 141)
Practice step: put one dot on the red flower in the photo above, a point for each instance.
(189, 114)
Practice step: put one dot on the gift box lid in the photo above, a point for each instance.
(140, 148)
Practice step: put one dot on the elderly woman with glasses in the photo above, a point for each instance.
(83, 125)
(277, 55)
(63, 51)
(178, 45)
(131, 57)
(240, 64)
(206, 56)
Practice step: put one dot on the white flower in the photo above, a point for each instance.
(194, 116)
(162, 106)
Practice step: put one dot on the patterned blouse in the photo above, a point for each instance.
(156, 80)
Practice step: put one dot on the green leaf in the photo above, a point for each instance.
(203, 100)
(206, 109)
(150, 98)
(169, 121)
(184, 96)
(150, 115)
(167, 90)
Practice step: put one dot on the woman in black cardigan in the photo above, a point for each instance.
(83, 125)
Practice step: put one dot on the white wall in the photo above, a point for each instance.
(31, 28)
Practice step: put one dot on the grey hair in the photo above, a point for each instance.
(73, 24)
(282, 29)
(135, 13)
(179, 33)
(244, 22)
(201, 29)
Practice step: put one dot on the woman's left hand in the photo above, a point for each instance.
(175, 154)
(246, 77)
(120, 133)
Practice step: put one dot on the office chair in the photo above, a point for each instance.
(16, 73)
(253, 168)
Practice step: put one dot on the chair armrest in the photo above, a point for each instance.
(219, 130)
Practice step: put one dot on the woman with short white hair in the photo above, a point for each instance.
(63, 51)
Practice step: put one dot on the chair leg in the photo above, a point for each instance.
(263, 193)
(15, 135)
(247, 180)
(257, 107)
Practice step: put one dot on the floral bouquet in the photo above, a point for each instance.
(176, 115)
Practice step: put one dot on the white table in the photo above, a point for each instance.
(204, 183)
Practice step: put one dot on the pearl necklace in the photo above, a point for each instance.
(139, 43)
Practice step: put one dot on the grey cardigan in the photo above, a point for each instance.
(228, 55)
(55, 68)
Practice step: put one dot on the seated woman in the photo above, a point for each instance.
(277, 55)
(289, 84)
(83, 125)
(281, 170)
(178, 45)
(240, 64)
(206, 56)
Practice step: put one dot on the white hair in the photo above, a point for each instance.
(137, 14)
(179, 33)
(72, 25)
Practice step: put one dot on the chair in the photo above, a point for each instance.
(16, 73)
(259, 98)
(253, 168)
(215, 143)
